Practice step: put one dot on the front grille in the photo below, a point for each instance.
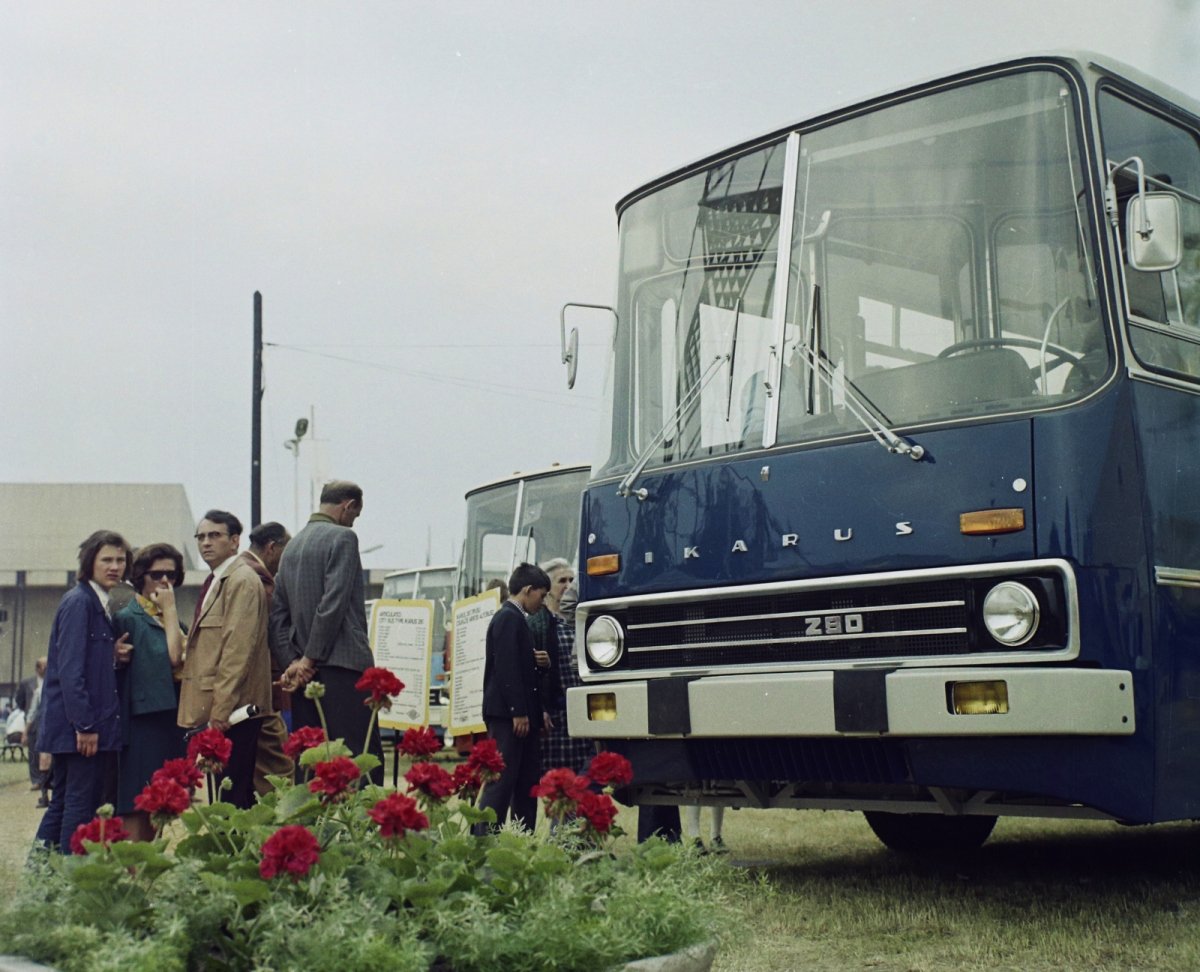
(887, 621)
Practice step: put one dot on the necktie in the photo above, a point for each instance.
(200, 602)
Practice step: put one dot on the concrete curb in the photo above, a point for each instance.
(14, 963)
(697, 958)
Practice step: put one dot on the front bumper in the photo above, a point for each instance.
(861, 702)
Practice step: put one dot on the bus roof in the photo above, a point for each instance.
(408, 571)
(1081, 60)
(554, 470)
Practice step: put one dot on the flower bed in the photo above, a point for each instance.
(332, 873)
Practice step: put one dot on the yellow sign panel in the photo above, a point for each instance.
(402, 639)
(472, 616)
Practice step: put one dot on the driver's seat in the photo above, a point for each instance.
(943, 387)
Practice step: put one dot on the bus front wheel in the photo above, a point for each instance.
(929, 833)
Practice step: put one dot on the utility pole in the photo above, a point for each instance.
(256, 394)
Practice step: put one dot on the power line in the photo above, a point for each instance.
(587, 402)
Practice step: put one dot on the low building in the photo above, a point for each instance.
(41, 527)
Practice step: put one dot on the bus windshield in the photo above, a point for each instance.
(938, 266)
(526, 519)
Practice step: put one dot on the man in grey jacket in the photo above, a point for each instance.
(319, 621)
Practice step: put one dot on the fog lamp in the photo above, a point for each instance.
(979, 698)
(602, 706)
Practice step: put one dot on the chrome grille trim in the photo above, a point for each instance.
(803, 614)
(944, 638)
(813, 640)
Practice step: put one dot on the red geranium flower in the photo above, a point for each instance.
(334, 778)
(420, 741)
(396, 814)
(182, 771)
(210, 748)
(430, 779)
(561, 789)
(610, 769)
(466, 781)
(162, 798)
(291, 850)
(485, 759)
(301, 740)
(99, 831)
(598, 810)
(382, 684)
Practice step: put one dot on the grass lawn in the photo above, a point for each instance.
(1039, 895)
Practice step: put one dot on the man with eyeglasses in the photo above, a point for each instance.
(227, 664)
(319, 621)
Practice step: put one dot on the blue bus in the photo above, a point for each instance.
(898, 508)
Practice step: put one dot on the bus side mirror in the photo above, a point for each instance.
(570, 344)
(1154, 241)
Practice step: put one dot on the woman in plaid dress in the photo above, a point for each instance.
(559, 749)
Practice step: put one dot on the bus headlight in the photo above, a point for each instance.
(604, 642)
(1010, 613)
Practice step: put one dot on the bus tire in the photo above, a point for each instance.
(929, 833)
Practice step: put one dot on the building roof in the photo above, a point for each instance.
(42, 524)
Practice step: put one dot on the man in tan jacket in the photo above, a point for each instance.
(227, 665)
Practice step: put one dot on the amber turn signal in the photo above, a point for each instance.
(604, 564)
(991, 521)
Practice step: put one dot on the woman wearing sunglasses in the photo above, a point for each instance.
(149, 689)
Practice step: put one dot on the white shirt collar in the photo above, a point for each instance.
(222, 568)
(100, 593)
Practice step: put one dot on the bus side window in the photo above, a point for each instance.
(1163, 308)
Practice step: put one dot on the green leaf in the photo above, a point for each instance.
(95, 873)
(324, 753)
(508, 862)
(293, 801)
(250, 892)
(474, 815)
(367, 762)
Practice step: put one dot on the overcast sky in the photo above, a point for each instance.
(415, 189)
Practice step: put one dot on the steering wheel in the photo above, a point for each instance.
(1059, 354)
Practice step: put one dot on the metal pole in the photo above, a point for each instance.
(256, 394)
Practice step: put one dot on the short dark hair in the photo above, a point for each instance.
(341, 490)
(226, 520)
(145, 556)
(91, 547)
(266, 533)
(528, 575)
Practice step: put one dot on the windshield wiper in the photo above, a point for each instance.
(856, 403)
(626, 487)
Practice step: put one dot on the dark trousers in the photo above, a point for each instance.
(345, 714)
(77, 782)
(522, 770)
(240, 768)
(37, 777)
(658, 820)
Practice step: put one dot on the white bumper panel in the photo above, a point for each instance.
(1042, 701)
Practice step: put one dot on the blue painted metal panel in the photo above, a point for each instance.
(844, 503)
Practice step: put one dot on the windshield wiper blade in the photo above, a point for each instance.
(626, 487)
(857, 404)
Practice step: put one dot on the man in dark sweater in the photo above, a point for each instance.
(512, 707)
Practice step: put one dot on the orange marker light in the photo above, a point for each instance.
(604, 564)
(980, 522)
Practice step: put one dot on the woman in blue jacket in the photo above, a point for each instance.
(80, 710)
(149, 692)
